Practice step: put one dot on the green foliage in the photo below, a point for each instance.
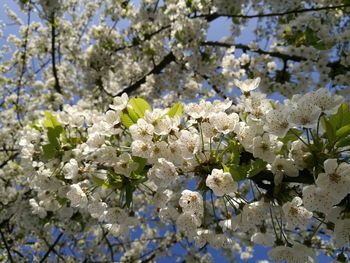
(255, 167)
(141, 162)
(291, 136)
(308, 37)
(149, 51)
(140, 106)
(341, 118)
(126, 120)
(54, 132)
(234, 149)
(180, 36)
(240, 172)
(176, 109)
(135, 110)
(337, 127)
(51, 121)
(100, 182)
(329, 129)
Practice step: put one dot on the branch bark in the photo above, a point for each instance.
(53, 54)
(212, 17)
(6, 246)
(156, 70)
(51, 248)
(285, 57)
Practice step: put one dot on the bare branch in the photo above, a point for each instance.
(51, 248)
(53, 54)
(6, 246)
(212, 17)
(156, 70)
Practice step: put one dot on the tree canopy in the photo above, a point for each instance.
(128, 134)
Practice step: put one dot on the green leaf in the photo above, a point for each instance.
(180, 36)
(115, 180)
(233, 148)
(291, 136)
(238, 172)
(149, 51)
(35, 125)
(139, 105)
(328, 127)
(129, 117)
(49, 151)
(132, 114)
(128, 194)
(53, 135)
(343, 132)
(341, 118)
(225, 168)
(100, 182)
(176, 109)
(141, 162)
(256, 167)
(344, 142)
(51, 121)
(126, 120)
(137, 178)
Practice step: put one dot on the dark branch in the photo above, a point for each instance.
(212, 17)
(6, 246)
(53, 54)
(156, 70)
(9, 159)
(24, 64)
(215, 88)
(51, 248)
(246, 48)
(145, 37)
(335, 65)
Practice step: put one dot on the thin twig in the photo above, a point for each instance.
(6, 246)
(51, 247)
(212, 17)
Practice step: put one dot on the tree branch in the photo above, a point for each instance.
(6, 246)
(51, 247)
(212, 17)
(9, 159)
(24, 63)
(145, 37)
(335, 65)
(246, 48)
(53, 54)
(156, 70)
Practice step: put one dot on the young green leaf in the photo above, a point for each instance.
(234, 150)
(126, 120)
(51, 121)
(344, 142)
(238, 172)
(176, 109)
(341, 118)
(141, 162)
(343, 132)
(139, 106)
(291, 136)
(256, 167)
(100, 182)
(128, 194)
(49, 151)
(328, 127)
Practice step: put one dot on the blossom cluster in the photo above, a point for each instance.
(253, 166)
(246, 141)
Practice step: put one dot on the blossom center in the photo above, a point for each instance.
(335, 178)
